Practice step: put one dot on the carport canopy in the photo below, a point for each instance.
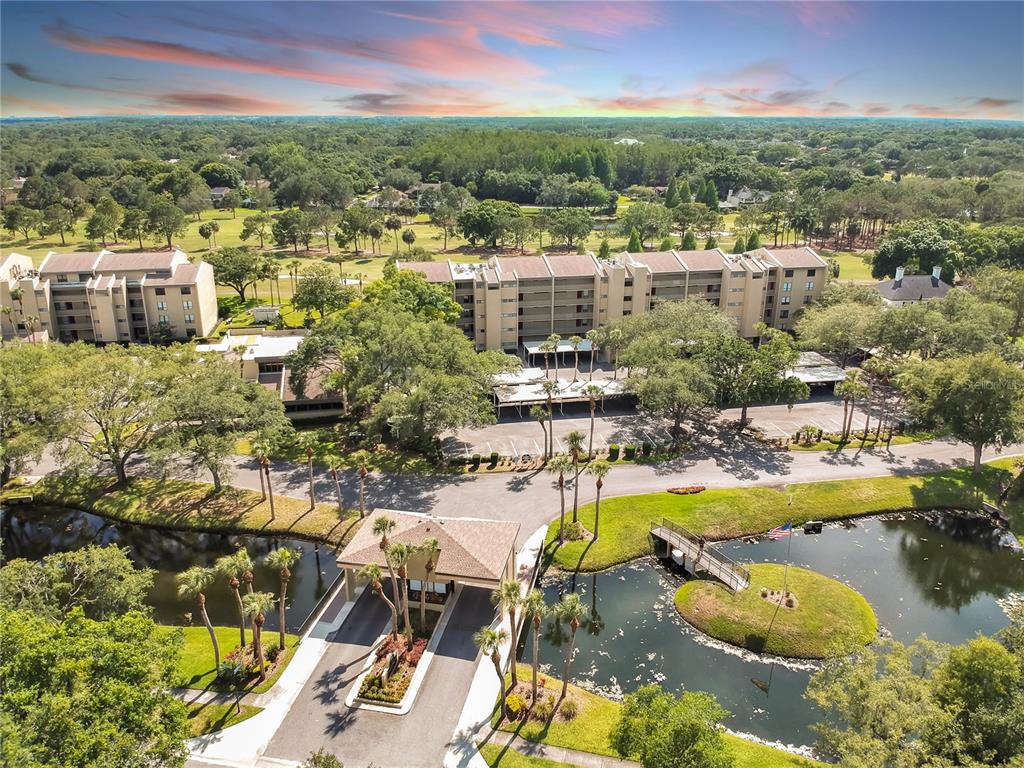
(470, 550)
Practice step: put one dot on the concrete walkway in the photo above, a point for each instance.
(572, 757)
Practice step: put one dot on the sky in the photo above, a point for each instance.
(479, 58)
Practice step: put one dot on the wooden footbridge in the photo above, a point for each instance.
(693, 552)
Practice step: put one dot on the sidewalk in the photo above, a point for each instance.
(242, 745)
(479, 705)
(572, 757)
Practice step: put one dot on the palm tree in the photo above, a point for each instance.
(571, 610)
(265, 462)
(594, 337)
(489, 641)
(246, 566)
(534, 609)
(382, 526)
(592, 392)
(507, 596)
(547, 348)
(363, 472)
(228, 565)
(293, 271)
(538, 414)
(281, 560)
(559, 465)
(256, 605)
(398, 556)
(598, 469)
(550, 389)
(850, 389)
(372, 573)
(431, 548)
(393, 223)
(553, 340)
(193, 583)
(615, 341)
(334, 462)
(309, 442)
(575, 341)
(260, 449)
(575, 442)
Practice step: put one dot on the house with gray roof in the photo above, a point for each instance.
(912, 289)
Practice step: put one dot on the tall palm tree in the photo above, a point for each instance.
(570, 610)
(599, 470)
(508, 597)
(538, 414)
(372, 573)
(431, 548)
(550, 389)
(592, 393)
(363, 472)
(546, 347)
(559, 466)
(246, 566)
(256, 606)
(575, 442)
(594, 337)
(575, 341)
(553, 340)
(489, 641)
(192, 584)
(265, 462)
(281, 560)
(382, 526)
(228, 566)
(534, 609)
(260, 450)
(398, 556)
(334, 462)
(615, 341)
(309, 442)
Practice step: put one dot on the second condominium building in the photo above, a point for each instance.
(107, 297)
(510, 301)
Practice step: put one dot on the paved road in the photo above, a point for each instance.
(319, 717)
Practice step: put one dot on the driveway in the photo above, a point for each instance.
(320, 719)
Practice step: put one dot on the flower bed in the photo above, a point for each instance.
(392, 671)
(687, 490)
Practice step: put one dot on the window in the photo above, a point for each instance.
(628, 297)
(809, 286)
(758, 275)
(83, 277)
(735, 303)
(771, 285)
(508, 314)
(736, 290)
(511, 301)
(808, 299)
(769, 300)
(62, 278)
(785, 300)
(738, 274)
(811, 272)
(190, 332)
(710, 289)
(186, 305)
(190, 318)
(787, 287)
(164, 319)
(788, 273)
(783, 314)
(161, 305)
(68, 305)
(186, 291)
(629, 282)
(160, 291)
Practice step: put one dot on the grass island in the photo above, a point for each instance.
(814, 615)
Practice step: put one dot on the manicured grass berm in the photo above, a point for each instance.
(730, 513)
(828, 616)
(195, 661)
(207, 718)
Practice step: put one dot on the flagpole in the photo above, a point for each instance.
(785, 579)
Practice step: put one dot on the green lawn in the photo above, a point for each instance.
(207, 718)
(195, 661)
(828, 617)
(506, 757)
(733, 512)
(852, 266)
(383, 459)
(186, 505)
(590, 731)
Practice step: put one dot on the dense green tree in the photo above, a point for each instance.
(259, 224)
(570, 225)
(209, 231)
(487, 220)
(321, 290)
(30, 404)
(238, 268)
(1004, 287)
(918, 247)
(711, 242)
(102, 582)
(754, 241)
(165, 219)
(839, 329)
(978, 398)
(689, 241)
(89, 693)
(292, 227)
(674, 388)
(105, 220)
(134, 225)
(665, 731)
(409, 291)
(220, 175)
(740, 246)
(604, 252)
(60, 219)
(634, 245)
(18, 218)
(650, 220)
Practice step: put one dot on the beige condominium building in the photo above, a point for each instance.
(108, 297)
(513, 300)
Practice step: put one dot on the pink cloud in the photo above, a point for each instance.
(155, 50)
(402, 104)
(14, 106)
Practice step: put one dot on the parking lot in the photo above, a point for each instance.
(515, 437)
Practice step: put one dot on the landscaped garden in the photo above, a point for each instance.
(794, 612)
(209, 718)
(195, 668)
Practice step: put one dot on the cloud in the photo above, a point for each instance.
(175, 53)
(874, 109)
(19, 106)
(988, 102)
(192, 102)
(20, 70)
(402, 104)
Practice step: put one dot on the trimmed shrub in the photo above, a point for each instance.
(646, 448)
(514, 706)
(630, 452)
(543, 708)
(569, 710)
(613, 452)
(574, 531)
(494, 458)
(475, 463)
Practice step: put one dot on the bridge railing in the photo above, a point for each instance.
(717, 563)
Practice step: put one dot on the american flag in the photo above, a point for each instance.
(775, 534)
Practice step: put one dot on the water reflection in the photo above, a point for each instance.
(36, 532)
(921, 574)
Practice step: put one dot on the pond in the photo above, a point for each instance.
(939, 575)
(35, 531)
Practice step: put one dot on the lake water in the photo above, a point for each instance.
(34, 532)
(935, 575)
